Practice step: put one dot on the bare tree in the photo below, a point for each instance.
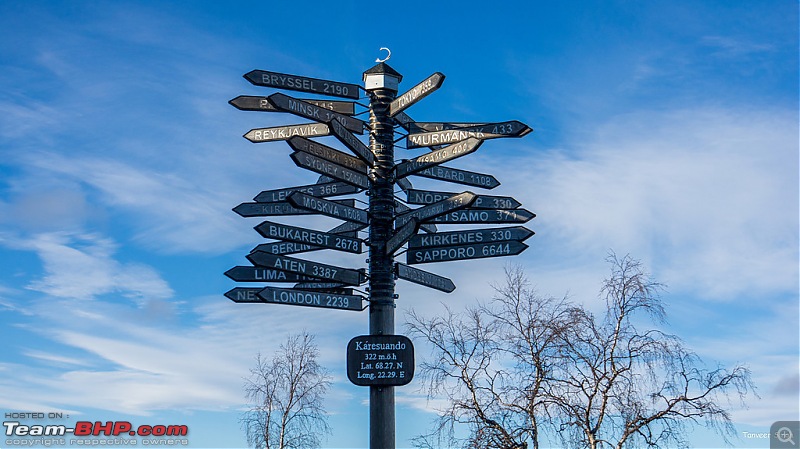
(493, 365)
(620, 386)
(285, 397)
(525, 368)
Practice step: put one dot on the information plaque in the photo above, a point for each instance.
(380, 360)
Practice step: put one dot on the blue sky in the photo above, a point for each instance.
(667, 130)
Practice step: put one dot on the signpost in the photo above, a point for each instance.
(380, 360)
(303, 84)
(310, 270)
(311, 299)
(415, 196)
(425, 278)
(459, 177)
(464, 252)
(483, 132)
(329, 208)
(322, 166)
(278, 208)
(287, 233)
(319, 190)
(436, 157)
(285, 132)
(518, 233)
(416, 93)
(310, 111)
(251, 103)
(438, 208)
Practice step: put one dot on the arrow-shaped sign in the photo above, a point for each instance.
(258, 135)
(459, 176)
(436, 157)
(401, 208)
(402, 235)
(464, 252)
(286, 248)
(328, 153)
(452, 238)
(288, 233)
(251, 103)
(302, 84)
(243, 273)
(425, 278)
(352, 142)
(438, 208)
(512, 128)
(307, 268)
(278, 208)
(319, 190)
(328, 168)
(300, 108)
(307, 298)
(329, 208)
(416, 93)
(482, 202)
(471, 216)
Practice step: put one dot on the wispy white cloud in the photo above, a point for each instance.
(709, 204)
(82, 266)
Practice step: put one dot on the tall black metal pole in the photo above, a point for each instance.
(381, 84)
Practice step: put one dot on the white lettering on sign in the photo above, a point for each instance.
(289, 82)
(442, 137)
(305, 109)
(286, 132)
(289, 265)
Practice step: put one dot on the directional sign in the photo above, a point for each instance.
(319, 190)
(512, 128)
(416, 93)
(279, 208)
(482, 202)
(294, 248)
(471, 215)
(303, 84)
(439, 126)
(261, 274)
(404, 184)
(285, 132)
(402, 235)
(453, 203)
(462, 252)
(436, 157)
(244, 295)
(348, 226)
(328, 153)
(251, 103)
(452, 238)
(404, 120)
(321, 286)
(459, 177)
(313, 112)
(425, 278)
(380, 360)
(401, 208)
(307, 298)
(329, 208)
(307, 268)
(352, 142)
(288, 233)
(286, 248)
(328, 168)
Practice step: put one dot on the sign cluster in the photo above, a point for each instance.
(280, 264)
